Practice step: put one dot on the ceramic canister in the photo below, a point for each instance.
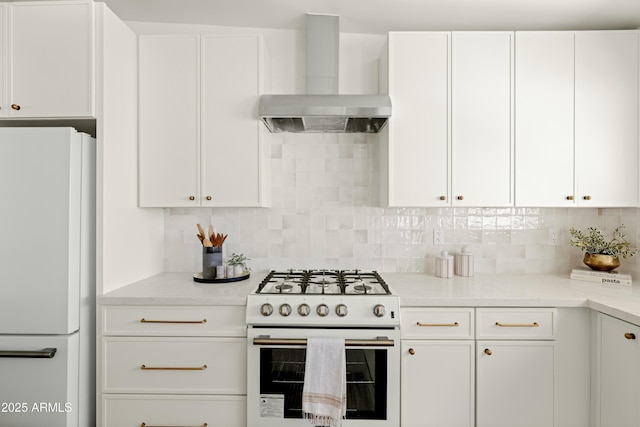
(444, 265)
(464, 263)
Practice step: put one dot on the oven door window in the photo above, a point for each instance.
(282, 374)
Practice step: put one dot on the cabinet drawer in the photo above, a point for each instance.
(174, 365)
(437, 323)
(516, 323)
(172, 410)
(174, 321)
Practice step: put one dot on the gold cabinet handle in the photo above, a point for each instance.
(172, 368)
(630, 336)
(443, 197)
(208, 197)
(143, 320)
(412, 351)
(15, 107)
(518, 325)
(147, 425)
(488, 351)
(587, 197)
(438, 324)
(192, 198)
(569, 197)
(460, 197)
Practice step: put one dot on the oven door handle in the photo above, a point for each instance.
(378, 342)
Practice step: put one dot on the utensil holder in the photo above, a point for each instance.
(211, 258)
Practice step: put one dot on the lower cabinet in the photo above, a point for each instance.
(617, 388)
(173, 366)
(483, 367)
(173, 410)
(437, 367)
(515, 383)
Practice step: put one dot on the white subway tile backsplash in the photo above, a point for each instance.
(324, 214)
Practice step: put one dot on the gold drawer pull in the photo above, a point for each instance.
(412, 351)
(488, 351)
(172, 368)
(438, 324)
(143, 320)
(630, 336)
(518, 325)
(147, 425)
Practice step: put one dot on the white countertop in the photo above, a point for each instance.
(414, 289)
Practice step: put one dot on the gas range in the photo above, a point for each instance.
(323, 298)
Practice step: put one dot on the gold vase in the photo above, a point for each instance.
(601, 262)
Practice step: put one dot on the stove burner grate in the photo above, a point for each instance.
(326, 281)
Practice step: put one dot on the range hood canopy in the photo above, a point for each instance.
(323, 109)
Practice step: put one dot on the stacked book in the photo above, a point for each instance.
(605, 277)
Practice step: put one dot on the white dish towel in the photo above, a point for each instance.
(324, 395)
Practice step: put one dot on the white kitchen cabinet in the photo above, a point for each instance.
(576, 118)
(482, 118)
(450, 139)
(48, 58)
(617, 382)
(415, 148)
(201, 143)
(169, 86)
(173, 365)
(515, 367)
(606, 117)
(544, 106)
(437, 367)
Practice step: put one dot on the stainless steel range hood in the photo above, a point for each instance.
(323, 109)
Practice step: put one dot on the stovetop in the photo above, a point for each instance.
(324, 282)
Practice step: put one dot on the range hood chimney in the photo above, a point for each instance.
(323, 109)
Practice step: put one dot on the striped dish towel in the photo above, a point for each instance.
(324, 395)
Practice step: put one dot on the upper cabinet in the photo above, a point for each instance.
(544, 92)
(577, 118)
(481, 118)
(606, 118)
(415, 145)
(449, 141)
(511, 119)
(47, 54)
(201, 143)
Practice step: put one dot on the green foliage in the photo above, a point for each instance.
(239, 259)
(592, 241)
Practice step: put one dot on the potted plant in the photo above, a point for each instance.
(239, 263)
(601, 254)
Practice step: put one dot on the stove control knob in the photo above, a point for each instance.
(341, 310)
(379, 310)
(285, 310)
(322, 310)
(304, 310)
(266, 309)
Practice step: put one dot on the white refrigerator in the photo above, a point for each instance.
(47, 277)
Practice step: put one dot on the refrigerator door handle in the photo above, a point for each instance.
(45, 353)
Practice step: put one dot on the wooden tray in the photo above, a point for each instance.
(198, 278)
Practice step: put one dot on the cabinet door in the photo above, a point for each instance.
(481, 114)
(606, 118)
(51, 61)
(618, 372)
(544, 172)
(231, 143)
(437, 383)
(515, 384)
(168, 112)
(417, 150)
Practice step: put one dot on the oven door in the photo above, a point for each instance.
(275, 376)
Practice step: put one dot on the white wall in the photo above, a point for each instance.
(324, 190)
(129, 239)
